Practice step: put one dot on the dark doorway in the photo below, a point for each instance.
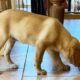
(37, 6)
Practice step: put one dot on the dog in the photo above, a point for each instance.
(43, 32)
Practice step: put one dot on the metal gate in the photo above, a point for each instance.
(23, 5)
(15, 4)
(73, 5)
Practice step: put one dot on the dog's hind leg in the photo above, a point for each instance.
(6, 51)
(58, 64)
(40, 48)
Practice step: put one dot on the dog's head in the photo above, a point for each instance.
(74, 53)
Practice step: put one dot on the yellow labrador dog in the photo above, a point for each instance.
(45, 33)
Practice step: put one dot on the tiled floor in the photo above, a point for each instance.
(26, 71)
(19, 58)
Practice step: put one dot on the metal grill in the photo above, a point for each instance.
(23, 5)
(73, 6)
(76, 5)
(15, 4)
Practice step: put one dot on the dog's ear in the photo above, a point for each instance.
(75, 54)
(72, 45)
(74, 42)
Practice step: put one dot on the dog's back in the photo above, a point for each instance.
(29, 27)
(25, 25)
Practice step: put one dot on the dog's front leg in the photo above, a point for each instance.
(7, 49)
(38, 59)
(58, 64)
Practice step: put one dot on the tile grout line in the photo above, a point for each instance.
(25, 63)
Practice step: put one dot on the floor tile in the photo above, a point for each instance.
(3, 77)
(19, 49)
(52, 78)
(11, 75)
(18, 55)
(19, 60)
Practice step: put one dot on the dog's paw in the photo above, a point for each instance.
(65, 68)
(8, 68)
(62, 68)
(12, 66)
(42, 72)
